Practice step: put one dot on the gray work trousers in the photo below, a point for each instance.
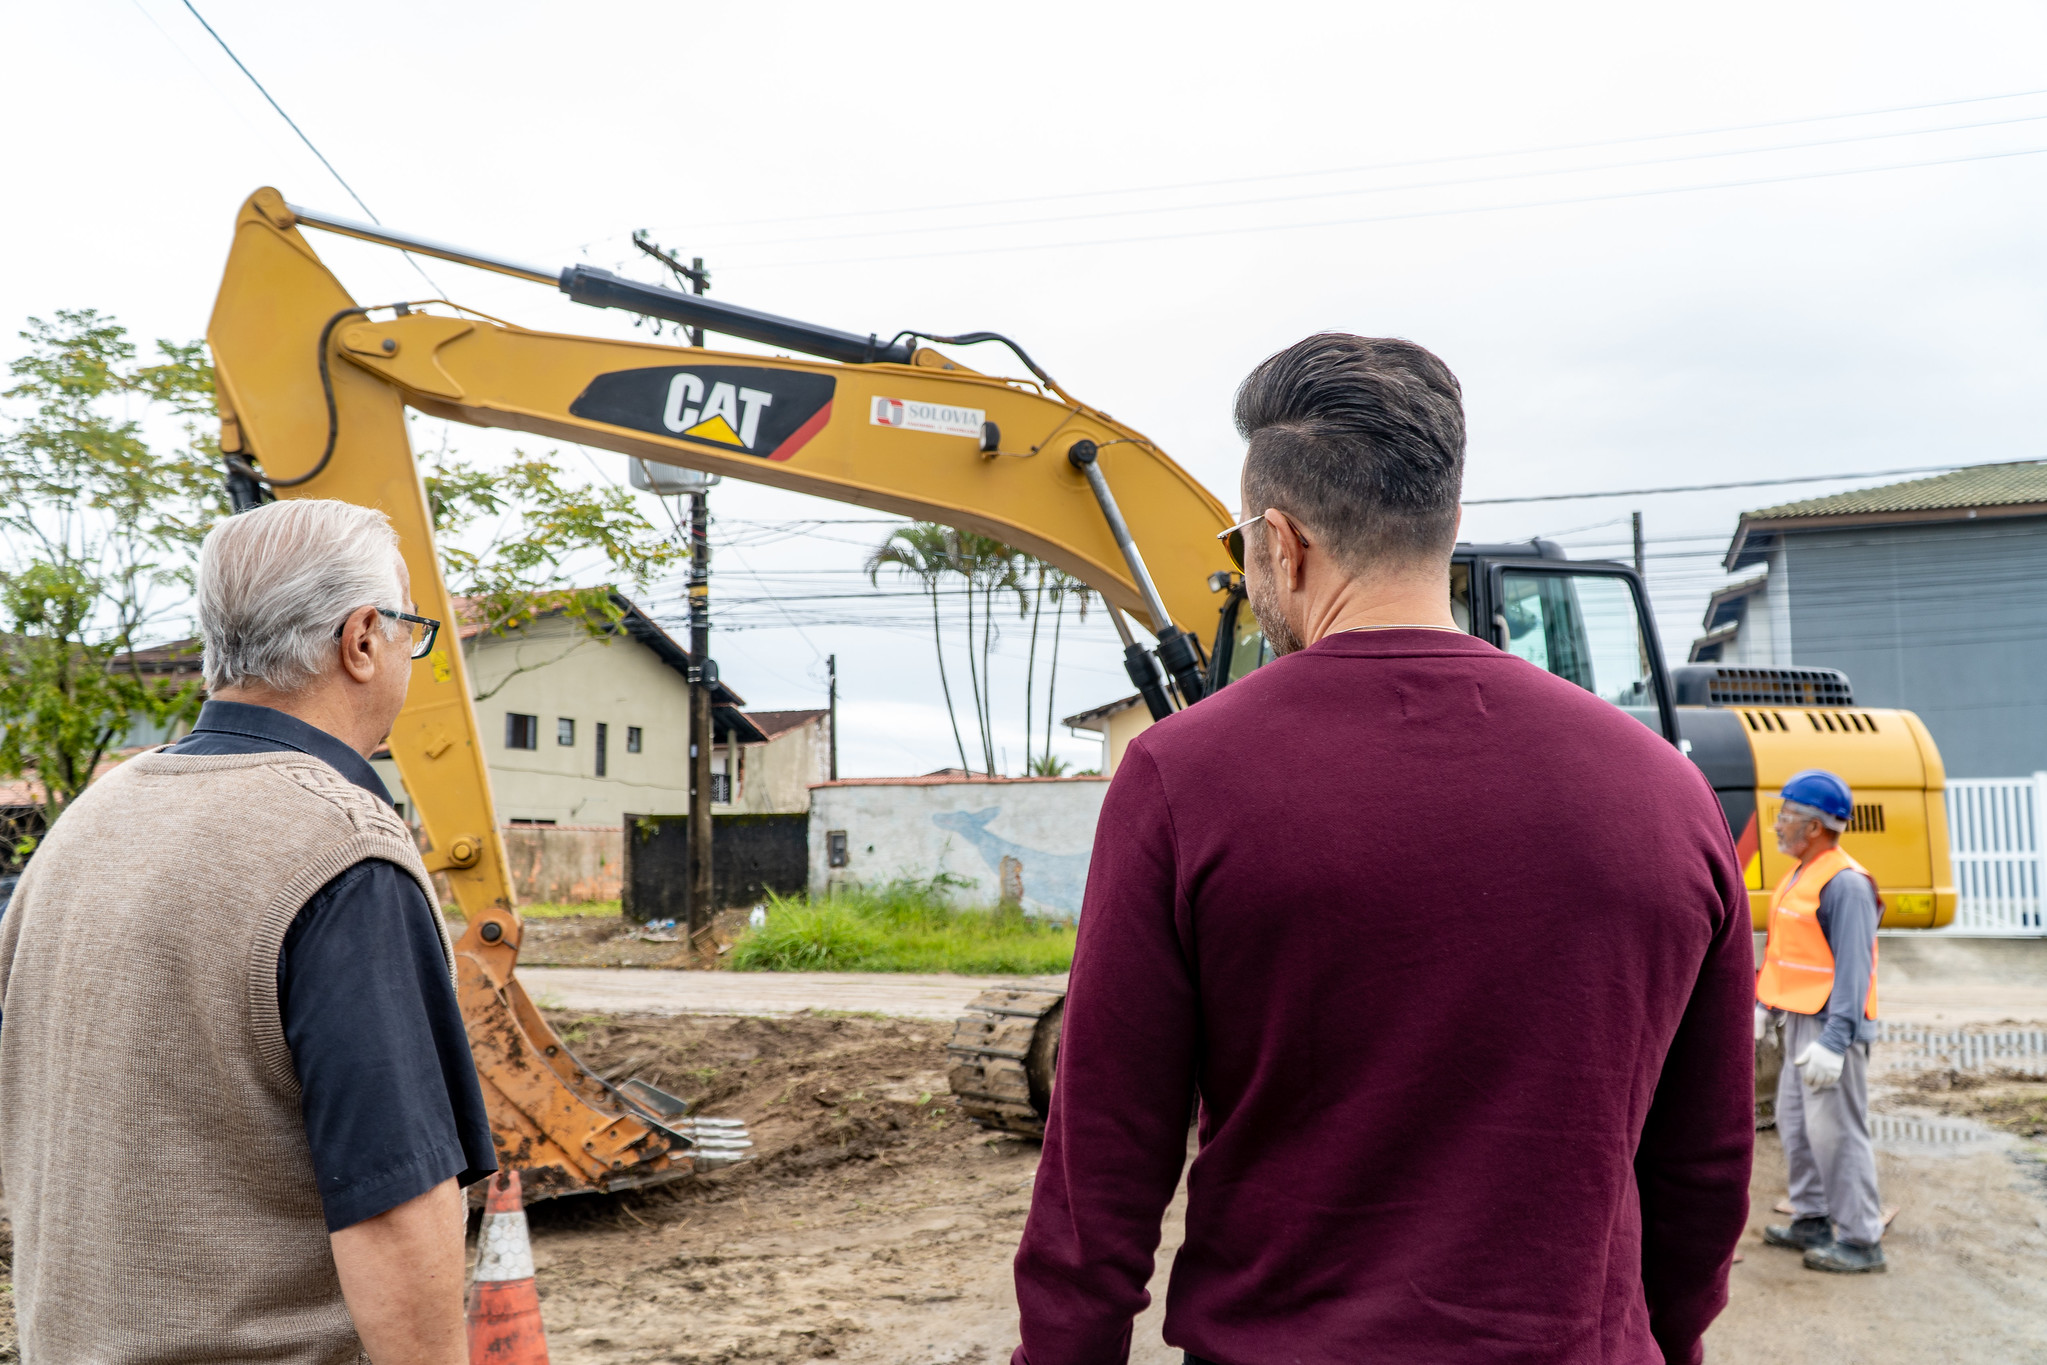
(1826, 1138)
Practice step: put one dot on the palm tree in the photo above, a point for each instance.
(1063, 586)
(987, 567)
(924, 551)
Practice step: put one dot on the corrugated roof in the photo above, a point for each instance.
(1992, 485)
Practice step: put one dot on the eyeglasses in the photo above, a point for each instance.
(1233, 539)
(424, 630)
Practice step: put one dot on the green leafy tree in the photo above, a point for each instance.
(97, 529)
(515, 539)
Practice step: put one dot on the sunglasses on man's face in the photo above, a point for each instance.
(1233, 538)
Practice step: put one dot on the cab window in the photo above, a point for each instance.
(1582, 627)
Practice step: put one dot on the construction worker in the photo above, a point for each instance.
(1819, 978)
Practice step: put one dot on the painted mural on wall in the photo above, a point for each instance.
(1049, 883)
(1009, 841)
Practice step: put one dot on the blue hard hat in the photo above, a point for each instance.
(1823, 791)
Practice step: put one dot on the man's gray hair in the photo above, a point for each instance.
(1801, 812)
(276, 581)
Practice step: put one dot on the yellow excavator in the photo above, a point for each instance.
(313, 388)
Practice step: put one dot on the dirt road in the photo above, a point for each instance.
(767, 994)
(877, 1226)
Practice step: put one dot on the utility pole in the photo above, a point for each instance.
(831, 671)
(1641, 560)
(703, 681)
(703, 670)
(694, 274)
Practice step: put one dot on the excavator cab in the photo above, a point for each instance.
(1586, 621)
(1748, 729)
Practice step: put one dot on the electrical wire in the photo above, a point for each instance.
(1744, 483)
(293, 125)
(1409, 216)
(1551, 149)
(1459, 183)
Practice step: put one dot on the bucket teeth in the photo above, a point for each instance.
(716, 1142)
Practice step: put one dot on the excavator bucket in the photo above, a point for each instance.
(565, 1129)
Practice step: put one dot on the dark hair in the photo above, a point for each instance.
(1360, 439)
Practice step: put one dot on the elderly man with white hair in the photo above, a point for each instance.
(1819, 977)
(237, 1104)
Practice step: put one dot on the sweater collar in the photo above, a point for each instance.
(269, 730)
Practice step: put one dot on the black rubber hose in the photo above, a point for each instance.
(333, 413)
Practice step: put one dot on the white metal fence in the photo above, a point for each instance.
(1995, 840)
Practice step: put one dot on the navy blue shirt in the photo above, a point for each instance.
(392, 1105)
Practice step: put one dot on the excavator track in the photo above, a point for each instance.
(1003, 1052)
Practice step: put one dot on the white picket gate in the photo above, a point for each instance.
(1995, 841)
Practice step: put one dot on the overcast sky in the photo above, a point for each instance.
(1659, 245)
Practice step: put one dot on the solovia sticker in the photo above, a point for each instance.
(745, 409)
(941, 418)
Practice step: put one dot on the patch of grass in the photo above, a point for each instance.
(567, 909)
(901, 927)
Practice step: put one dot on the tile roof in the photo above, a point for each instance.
(776, 723)
(1988, 485)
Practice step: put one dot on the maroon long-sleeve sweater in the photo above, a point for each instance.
(1456, 957)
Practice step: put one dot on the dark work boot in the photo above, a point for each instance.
(1804, 1234)
(1847, 1258)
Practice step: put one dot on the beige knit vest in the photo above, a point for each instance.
(151, 1142)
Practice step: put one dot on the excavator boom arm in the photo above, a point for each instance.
(313, 388)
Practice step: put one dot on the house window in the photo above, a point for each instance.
(632, 739)
(530, 824)
(564, 731)
(603, 737)
(521, 732)
(835, 847)
(721, 789)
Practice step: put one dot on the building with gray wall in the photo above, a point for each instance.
(1927, 594)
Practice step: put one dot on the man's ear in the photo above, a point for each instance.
(1284, 547)
(358, 661)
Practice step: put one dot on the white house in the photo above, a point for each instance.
(581, 729)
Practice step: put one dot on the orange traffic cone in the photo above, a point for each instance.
(504, 1305)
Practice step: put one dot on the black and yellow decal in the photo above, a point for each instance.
(747, 409)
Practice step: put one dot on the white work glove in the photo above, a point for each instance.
(1819, 1067)
(1762, 1021)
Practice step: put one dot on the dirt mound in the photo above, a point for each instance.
(872, 1215)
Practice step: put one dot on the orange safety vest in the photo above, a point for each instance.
(1798, 966)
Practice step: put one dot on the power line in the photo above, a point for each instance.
(1460, 182)
(1568, 201)
(293, 125)
(280, 112)
(1744, 483)
(1377, 166)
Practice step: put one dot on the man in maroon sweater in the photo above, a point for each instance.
(1453, 954)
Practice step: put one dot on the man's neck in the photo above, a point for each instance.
(1814, 849)
(1382, 600)
(318, 706)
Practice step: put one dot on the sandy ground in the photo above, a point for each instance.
(878, 1229)
(877, 1226)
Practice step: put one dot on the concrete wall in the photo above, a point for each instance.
(775, 778)
(564, 862)
(917, 828)
(1945, 619)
